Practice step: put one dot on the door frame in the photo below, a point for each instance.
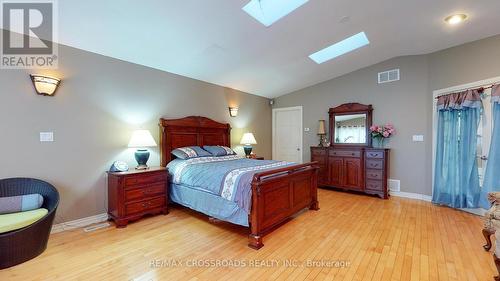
(441, 92)
(301, 137)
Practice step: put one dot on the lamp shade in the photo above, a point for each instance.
(248, 139)
(44, 85)
(141, 138)
(321, 128)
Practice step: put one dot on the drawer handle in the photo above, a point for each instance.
(374, 175)
(373, 164)
(373, 154)
(352, 154)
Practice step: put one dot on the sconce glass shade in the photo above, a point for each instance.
(248, 139)
(321, 128)
(45, 86)
(141, 138)
(233, 111)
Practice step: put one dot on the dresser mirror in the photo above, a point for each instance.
(350, 124)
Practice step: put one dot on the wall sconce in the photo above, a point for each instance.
(45, 86)
(233, 111)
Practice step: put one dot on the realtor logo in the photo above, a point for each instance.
(28, 34)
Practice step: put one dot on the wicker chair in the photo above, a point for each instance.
(26, 243)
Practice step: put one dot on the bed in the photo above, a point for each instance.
(259, 194)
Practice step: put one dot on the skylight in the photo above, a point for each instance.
(345, 46)
(268, 12)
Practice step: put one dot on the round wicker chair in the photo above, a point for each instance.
(26, 243)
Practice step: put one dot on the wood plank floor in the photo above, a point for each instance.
(352, 237)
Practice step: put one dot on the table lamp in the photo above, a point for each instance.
(140, 140)
(248, 139)
(321, 133)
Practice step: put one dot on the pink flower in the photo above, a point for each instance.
(373, 128)
(385, 134)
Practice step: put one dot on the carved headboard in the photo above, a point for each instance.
(189, 131)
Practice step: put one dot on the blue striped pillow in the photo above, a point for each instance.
(21, 203)
(219, 150)
(190, 152)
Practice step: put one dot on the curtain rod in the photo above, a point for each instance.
(481, 89)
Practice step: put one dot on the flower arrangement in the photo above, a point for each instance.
(382, 132)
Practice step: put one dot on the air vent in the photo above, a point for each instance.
(394, 185)
(388, 76)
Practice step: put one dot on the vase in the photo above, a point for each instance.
(378, 142)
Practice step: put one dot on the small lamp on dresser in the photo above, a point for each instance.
(321, 133)
(248, 139)
(141, 139)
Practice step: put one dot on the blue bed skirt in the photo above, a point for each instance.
(209, 204)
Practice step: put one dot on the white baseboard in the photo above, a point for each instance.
(410, 195)
(79, 223)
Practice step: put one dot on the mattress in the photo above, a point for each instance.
(218, 186)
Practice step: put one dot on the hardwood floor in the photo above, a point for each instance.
(403, 240)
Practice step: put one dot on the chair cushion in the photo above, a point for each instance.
(20, 203)
(14, 221)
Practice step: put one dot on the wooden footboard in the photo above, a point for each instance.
(279, 194)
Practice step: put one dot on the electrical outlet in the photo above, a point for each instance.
(306, 129)
(46, 136)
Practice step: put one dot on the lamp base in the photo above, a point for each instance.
(248, 150)
(142, 157)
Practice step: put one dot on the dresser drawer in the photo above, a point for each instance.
(145, 192)
(375, 154)
(152, 178)
(346, 153)
(374, 164)
(318, 152)
(146, 205)
(374, 174)
(375, 185)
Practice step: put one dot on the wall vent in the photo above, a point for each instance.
(388, 76)
(394, 185)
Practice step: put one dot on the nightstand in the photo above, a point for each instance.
(136, 193)
(255, 157)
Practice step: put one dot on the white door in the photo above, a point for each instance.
(287, 134)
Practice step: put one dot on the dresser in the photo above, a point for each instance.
(355, 168)
(136, 193)
(350, 162)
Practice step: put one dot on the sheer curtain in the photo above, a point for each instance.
(352, 134)
(491, 177)
(456, 182)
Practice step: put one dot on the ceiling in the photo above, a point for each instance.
(217, 42)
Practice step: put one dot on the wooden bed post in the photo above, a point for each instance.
(255, 237)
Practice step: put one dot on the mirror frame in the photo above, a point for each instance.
(348, 109)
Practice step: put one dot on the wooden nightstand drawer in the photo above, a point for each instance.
(133, 208)
(145, 192)
(138, 180)
(136, 193)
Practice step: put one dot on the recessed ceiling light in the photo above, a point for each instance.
(268, 12)
(455, 19)
(345, 46)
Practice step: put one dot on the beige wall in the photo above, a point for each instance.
(406, 103)
(100, 101)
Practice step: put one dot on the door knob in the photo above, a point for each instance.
(298, 149)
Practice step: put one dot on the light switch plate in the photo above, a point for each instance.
(306, 129)
(418, 138)
(46, 136)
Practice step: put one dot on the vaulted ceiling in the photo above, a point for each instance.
(217, 42)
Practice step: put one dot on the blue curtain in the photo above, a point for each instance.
(492, 174)
(456, 182)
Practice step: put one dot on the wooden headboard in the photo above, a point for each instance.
(190, 131)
